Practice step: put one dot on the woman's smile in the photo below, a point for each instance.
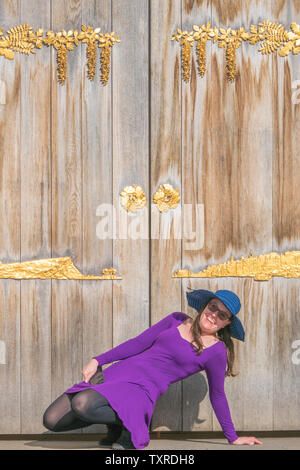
(209, 321)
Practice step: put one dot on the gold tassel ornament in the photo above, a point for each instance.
(187, 42)
(90, 36)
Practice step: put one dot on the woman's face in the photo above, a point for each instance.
(214, 317)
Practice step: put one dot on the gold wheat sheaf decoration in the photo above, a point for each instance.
(272, 36)
(24, 40)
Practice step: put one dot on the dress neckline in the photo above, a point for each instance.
(189, 342)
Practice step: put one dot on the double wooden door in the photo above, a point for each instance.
(67, 151)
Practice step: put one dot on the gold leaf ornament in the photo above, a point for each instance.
(186, 41)
(202, 34)
(24, 40)
(90, 36)
(166, 197)
(62, 41)
(272, 36)
(106, 42)
(133, 198)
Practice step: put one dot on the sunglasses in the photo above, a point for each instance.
(213, 308)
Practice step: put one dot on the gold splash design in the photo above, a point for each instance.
(261, 268)
(51, 268)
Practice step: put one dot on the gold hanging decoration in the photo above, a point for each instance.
(90, 37)
(62, 42)
(50, 268)
(272, 36)
(24, 40)
(261, 268)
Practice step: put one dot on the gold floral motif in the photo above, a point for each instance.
(261, 268)
(166, 197)
(133, 198)
(22, 39)
(202, 34)
(293, 43)
(187, 42)
(90, 37)
(231, 39)
(50, 268)
(272, 36)
(106, 42)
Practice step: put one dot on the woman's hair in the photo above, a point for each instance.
(223, 334)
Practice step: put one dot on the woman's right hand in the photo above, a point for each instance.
(248, 440)
(89, 370)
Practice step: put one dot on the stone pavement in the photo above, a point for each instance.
(167, 441)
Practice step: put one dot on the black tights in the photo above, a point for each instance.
(78, 410)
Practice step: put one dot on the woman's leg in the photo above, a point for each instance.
(60, 417)
(92, 407)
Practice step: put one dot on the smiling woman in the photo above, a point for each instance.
(147, 365)
(212, 324)
(216, 321)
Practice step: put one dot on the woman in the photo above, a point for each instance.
(171, 350)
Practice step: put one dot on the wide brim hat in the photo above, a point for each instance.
(200, 297)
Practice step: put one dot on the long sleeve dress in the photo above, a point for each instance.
(148, 365)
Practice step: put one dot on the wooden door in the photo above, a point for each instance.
(67, 151)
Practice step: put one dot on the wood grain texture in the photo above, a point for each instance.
(10, 207)
(67, 151)
(97, 193)
(196, 152)
(286, 224)
(254, 224)
(35, 224)
(67, 224)
(165, 105)
(130, 166)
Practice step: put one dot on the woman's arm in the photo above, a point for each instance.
(215, 371)
(141, 342)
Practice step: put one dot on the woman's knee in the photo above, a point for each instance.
(86, 401)
(49, 421)
(56, 412)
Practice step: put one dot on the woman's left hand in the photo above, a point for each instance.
(248, 440)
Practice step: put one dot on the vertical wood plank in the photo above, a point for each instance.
(35, 223)
(67, 205)
(97, 195)
(255, 211)
(196, 151)
(165, 105)
(9, 227)
(130, 69)
(286, 232)
(238, 109)
(217, 187)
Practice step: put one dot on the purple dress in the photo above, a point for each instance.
(148, 365)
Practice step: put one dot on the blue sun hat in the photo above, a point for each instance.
(200, 297)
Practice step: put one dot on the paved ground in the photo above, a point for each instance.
(174, 443)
